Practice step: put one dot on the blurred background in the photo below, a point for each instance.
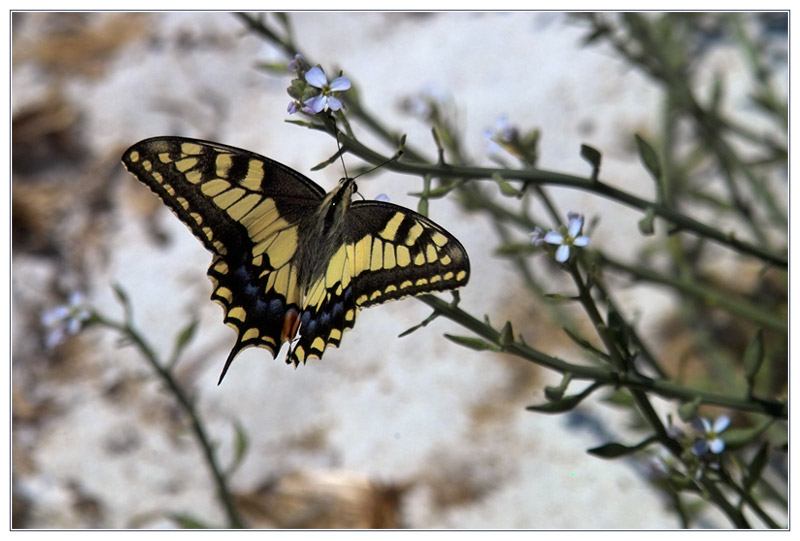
(412, 432)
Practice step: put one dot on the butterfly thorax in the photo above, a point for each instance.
(324, 233)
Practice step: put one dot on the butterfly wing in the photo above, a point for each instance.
(389, 252)
(245, 209)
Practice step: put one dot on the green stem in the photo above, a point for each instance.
(709, 295)
(224, 495)
(664, 388)
(541, 177)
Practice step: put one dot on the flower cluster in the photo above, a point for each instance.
(311, 91)
(564, 240)
(65, 320)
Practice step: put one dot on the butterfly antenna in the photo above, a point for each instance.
(387, 162)
(341, 154)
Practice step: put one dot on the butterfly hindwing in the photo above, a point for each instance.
(389, 252)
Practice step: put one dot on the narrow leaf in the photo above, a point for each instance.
(469, 342)
(649, 158)
(185, 336)
(646, 224)
(566, 403)
(556, 393)
(739, 437)
(614, 450)
(756, 466)
(506, 335)
(594, 157)
(242, 444)
(753, 358)
(688, 410)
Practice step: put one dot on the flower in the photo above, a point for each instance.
(65, 320)
(564, 242)
(537, 236)
(709, 439)
(297, 64)
(325, 99)
(503, 136)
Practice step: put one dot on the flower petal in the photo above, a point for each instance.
(581, 241)
(334, 104)
(316, 77)
(340, 83)
(721, 423)
(553, 237)
(701, 424)
(53, 317)
(575, 224)
(700, 447)
(562, 254)
(317, 103)
(716, 445)
(54, 338)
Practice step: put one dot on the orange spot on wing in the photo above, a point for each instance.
(291, 321)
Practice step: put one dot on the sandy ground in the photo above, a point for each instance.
(440, 429)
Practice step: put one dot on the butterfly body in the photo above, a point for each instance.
(292, 263)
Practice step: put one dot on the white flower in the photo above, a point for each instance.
(325, 99)
(709, 439)
(65, 320)
(572, 238)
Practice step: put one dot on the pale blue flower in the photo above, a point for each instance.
(65, 320)
(572, 238)
(709, 439)
(501, 136)
(537, 236)
(298, 64)
(326, 98)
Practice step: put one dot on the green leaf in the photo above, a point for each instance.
(753, 359)
(278, 68)
(585, 344)
(326, 163)
(506, 335)
(688, 410)
(649, 158)
(566, 403)
(436, 193)
(477, 344)
(646, 224)
(185, 336)
(515, 248)
(505, 187)
(756, 466)
(615, 450)
(556, 393)
(594, 157)
(242, 444)
(739, 437)
(125, 301)
(121, 295)
(422, 206)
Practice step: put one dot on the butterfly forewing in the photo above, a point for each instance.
(252, 214)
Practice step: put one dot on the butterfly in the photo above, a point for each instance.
(290, 262)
